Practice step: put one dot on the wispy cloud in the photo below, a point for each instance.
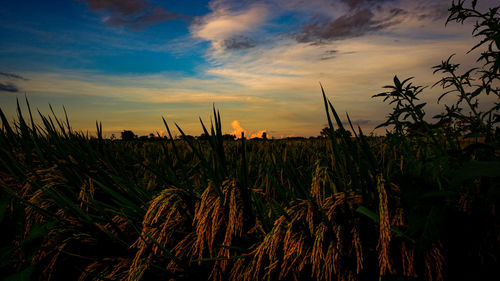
(364, 17)
(329, 54)
(346, 26)
(8, 87)
(355, 4)
(158, 88)
(135, 14)
(12, 76)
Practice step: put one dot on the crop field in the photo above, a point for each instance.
(420, 203)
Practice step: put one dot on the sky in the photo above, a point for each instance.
(128, 63)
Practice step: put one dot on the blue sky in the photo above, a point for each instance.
(128, 63)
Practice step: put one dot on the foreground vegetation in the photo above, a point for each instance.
(418, 204)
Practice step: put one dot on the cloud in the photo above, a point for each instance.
(13, 76)
(355, 4)
(346, 26)
(361, 122)
(432, 12)
(330, 54)
(122, 7)
(155, 16)
(135, 14)
(159, 88)
(237, 129)
(229, 29)
(242, 25)
(358, 122)
(338, 20)
(8, 87)
(239, 43)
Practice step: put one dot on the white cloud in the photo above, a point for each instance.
(223, 23)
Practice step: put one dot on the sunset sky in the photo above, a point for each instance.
(128, 63)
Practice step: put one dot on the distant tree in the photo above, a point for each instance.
(264, 136)
(203, 137)
(183, 137)
(346, 132)
(128, 135)
(325, 132)
(143, 138)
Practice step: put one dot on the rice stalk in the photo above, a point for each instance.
(87, 192)
(434, 262)
(114, 268)
(358, 248)
(168, 217)
(216, 217)
(384, 230)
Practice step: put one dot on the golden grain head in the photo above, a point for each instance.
(384, 230)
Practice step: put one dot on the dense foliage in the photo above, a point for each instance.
(417, 204)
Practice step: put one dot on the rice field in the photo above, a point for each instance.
(411, 205)
(341, 208)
